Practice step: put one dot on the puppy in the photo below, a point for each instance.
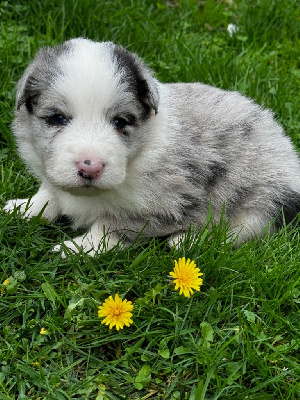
(123, 154)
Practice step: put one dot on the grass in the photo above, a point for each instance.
(236, 339)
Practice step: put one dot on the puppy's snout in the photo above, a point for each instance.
(90, 169)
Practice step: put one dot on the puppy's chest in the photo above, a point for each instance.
(112, 206)
(121, 209)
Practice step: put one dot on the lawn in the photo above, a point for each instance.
(239, 337)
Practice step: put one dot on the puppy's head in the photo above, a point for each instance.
(84, 111)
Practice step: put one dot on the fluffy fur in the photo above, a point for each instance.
(120, 153)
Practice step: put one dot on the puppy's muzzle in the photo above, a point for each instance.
(90, 169)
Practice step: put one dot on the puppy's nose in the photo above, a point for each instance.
(90, 169)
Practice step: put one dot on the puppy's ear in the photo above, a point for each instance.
(139, 77)
(152, 96)
(35, 79)
(39, 75)
(23, 95)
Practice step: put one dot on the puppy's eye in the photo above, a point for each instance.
(57, 120)
(120, 123)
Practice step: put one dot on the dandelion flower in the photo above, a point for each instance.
(35, 364)
(186, 276)
(4, 284)
(43, 331)
(116, 311)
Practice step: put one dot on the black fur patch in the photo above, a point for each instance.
(216, 172)
(31, 94)
(288, 208)
(209, 178)
(190, 205)
(134, 77)
(194, 173)
(163, 219)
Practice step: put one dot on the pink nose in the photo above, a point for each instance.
(90, 169)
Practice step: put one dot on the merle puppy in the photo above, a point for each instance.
(120, 153)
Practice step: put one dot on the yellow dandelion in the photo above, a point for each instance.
(43, 331)
(116, 311)
(35, 363)
(4, 284)
(186, 276)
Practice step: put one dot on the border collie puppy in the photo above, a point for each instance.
(122, 154)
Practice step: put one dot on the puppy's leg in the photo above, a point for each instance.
(96, 239)
(176, 240)
(250, 225)
(246, 226)
(30, 208)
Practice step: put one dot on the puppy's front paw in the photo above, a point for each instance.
(73, 246)
(11, 205)
(90, 243)
(80, 243)
(43, 202)
(176, 240)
